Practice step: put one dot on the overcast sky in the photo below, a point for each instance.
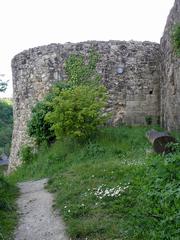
(29, 23)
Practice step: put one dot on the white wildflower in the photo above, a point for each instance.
(103, 191)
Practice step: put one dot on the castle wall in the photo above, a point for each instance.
(129, 70)
(170, 81)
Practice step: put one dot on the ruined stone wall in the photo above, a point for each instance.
(129, 70)
(170, 81)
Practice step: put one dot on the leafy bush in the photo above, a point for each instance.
(6, 122)
(77, 112)
(27, 154)
(38, 128)
(176, 38)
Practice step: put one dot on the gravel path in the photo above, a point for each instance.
(38, 221)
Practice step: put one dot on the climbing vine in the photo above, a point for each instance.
(176, 39)
(81, 72)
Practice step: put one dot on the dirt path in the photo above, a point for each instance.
(38, 221)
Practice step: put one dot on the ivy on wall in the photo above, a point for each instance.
(176, 38)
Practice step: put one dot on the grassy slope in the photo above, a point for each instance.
(8, 215)
(8, 192)
(116, 163)
(116, 158)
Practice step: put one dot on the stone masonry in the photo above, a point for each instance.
(142, 78)
(170, 81)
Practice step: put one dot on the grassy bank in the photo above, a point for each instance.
(113, 187)
(8, 215)
(8, 192)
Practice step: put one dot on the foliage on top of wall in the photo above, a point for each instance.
(176, 38)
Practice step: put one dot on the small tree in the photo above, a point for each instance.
(77, 112)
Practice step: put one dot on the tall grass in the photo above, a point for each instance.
(8, 215)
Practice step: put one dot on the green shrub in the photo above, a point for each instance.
(77, 112)
(176, 38)
(27, 154)
(6, 122)
(38, 128)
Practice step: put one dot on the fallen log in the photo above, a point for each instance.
(160, 141)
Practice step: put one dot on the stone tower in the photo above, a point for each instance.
(170, 80)
(143, 79)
